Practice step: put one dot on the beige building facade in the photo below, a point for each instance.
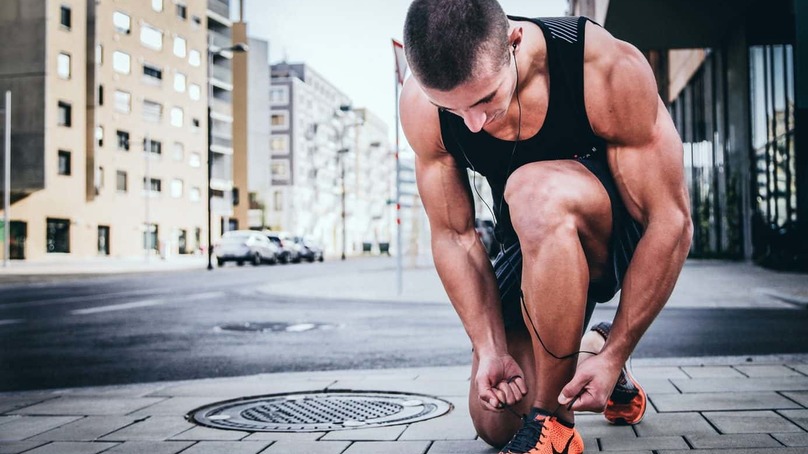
(109, 127)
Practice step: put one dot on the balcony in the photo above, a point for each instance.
(221, 107)
(220, 7)
(224, 75)
(219, 40)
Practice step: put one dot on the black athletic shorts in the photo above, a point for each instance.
(626, 233)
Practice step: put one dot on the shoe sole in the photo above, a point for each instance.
(623, 421)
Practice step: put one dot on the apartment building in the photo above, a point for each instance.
(109, 127)
(733, 78)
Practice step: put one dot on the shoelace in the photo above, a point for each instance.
(527, 437)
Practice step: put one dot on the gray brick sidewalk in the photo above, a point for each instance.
(710, 405)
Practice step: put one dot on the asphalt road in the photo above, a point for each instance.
(135, 328)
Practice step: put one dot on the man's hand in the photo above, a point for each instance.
(500, 382)
(592, 384)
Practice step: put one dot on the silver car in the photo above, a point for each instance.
(245, 246)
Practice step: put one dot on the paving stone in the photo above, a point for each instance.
(800, 397)
(229, 447)
(766, 371)
(132, 390)
(668, 424)
(16, 447)
(456, 388)
(737, 422)
(375, 434)
(799, 417)
(655, 372)
(72, 447)
(802, 368)
(386, 447)
(465, 447)
(28, 426)
(732, 441)
(173, 406)
(150, 447)
(309, 447)
(86, 429)
(156, 428)
(711, 372)
(445, 428)
(792, 439)
(9, 404)
(232, 389)
(88, 406)
(720, 401)
(714, 385)
(284, 436)
(206, 433)
(658, 386)
(624, 444)
(744, 451)
(595, 426)
(5, 419)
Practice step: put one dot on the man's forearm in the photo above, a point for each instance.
(468, 278)
(649, 282)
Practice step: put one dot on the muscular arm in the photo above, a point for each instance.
(645, 157)
(460, 258)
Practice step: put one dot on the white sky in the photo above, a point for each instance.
(349, 41)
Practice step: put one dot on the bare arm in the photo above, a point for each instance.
(645, 157)
(460, 258)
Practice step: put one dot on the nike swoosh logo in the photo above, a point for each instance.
(566, 448)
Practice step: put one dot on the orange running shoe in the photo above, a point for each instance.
(628, 401)
(542, 433)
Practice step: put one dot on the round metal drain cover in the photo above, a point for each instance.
(276, 327)
(323, 411)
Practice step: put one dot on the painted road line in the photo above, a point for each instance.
(146, 303)
(76, 299)
(11, 321)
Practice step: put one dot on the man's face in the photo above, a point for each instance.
(481, 101)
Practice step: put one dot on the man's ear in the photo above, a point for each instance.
(515, 37)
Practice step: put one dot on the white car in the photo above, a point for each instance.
(245, 246)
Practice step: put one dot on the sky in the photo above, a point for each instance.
(349, 41)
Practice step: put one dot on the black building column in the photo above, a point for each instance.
(801, 121)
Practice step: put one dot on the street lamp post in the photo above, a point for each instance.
(213, 52)
(340, 155)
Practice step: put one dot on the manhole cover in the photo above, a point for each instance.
(312, 412)
(263, 327)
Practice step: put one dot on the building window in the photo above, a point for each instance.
(152, 73)
(176, 117)
(65, 114)
(280, 170)
(194, 58)
(100, 95)
(279, 145)
(121, 22)
(182, 11)
(99, 179)
(120, 181)
(196, 20)
(278, 201)
(150, 237)
(195, 124)
(279, 95)
(63, 65)
(99, 136)
(64, 162)
(153, 146)
(152, 186)
(195, 159)
(176, 188)
(123, 140)
(194, 92)
(58, 235)
(152, 111)
(195, 194)
(157, 5)
(280, 120)
(151, 37)
(179, 47)
(64, 17)
(121, 62)
(123, 101)
(103, 240)
(178, 152)
(179, 82)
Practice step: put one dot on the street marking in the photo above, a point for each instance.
(11, 321)
(118, 307)
(146, 303)
(73, 299)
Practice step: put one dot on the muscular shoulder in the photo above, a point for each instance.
(619, 89)
(420, 122)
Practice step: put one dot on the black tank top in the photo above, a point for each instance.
(565, 134)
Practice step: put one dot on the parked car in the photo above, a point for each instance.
(289, 251)
(309, 250)
(485, 230)
(245, 246)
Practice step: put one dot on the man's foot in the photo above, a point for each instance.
(627, 403)
(544, 434)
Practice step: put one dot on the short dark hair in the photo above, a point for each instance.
(445, 39)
